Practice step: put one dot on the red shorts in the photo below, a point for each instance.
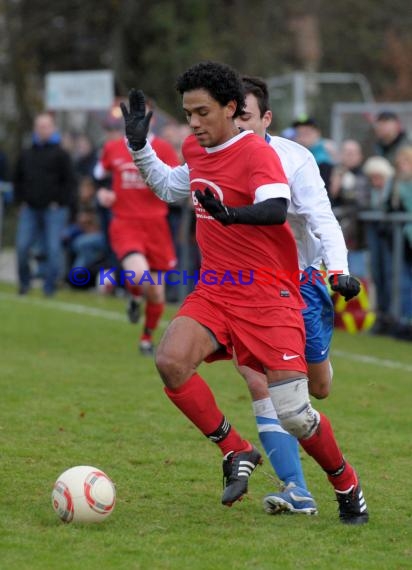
(269, 338)
(151, 237)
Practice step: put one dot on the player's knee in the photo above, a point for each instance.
(172, 369)
(302, 424)
(293, 407)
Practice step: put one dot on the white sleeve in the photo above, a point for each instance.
(311, 201)
(168, 183)
(268, 191)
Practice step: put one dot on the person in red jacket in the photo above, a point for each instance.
(139, 233)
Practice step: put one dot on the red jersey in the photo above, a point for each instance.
(134, 199)
(235, 259)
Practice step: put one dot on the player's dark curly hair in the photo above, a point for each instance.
(257, 87)
(221, 81)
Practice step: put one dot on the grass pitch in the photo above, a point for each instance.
(75, 391)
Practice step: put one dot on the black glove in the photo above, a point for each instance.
(223, 214)
(136, 121)
(346, 285)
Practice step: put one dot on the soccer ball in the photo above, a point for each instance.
(83, 494)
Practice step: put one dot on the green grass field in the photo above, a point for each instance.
(74, 391)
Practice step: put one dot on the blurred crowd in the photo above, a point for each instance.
(62, 224)
(380, 183)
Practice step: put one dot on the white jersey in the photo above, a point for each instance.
(317, 232)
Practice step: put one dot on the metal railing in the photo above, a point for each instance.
(395, 221)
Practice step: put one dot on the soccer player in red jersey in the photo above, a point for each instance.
(240, 196)
(139, 233)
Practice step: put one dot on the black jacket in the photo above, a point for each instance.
(389, 151)
(44, 174)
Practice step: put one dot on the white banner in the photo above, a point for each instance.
(79, 90)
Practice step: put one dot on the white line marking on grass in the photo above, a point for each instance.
(385, 362)
(113, 316)
(69, 308)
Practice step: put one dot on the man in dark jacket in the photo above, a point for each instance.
(44, 185)
(390, 135)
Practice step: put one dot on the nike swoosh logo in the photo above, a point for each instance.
(289, 357)
(324, 351)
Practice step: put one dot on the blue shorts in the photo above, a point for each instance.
(318, 316)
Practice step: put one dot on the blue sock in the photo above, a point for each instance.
(280, 447)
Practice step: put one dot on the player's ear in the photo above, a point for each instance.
(231, 109)
(267, 119)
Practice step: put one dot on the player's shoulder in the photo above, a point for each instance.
(252, 140)
(281, 144)
(255, 145)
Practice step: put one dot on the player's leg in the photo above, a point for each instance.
(318, 318)
(314, 432)
(184, 345)
(27, 231)
(150, 286)
(320, 378)
(155, 306)
(136, 266)
(280, 447)
(258, 344)
(161, 257)
(55, 220)
(126, 243)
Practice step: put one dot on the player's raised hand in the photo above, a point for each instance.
(221, 213)
(346, 285)
(136, 120)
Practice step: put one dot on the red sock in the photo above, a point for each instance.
(322, 446)
(153, 313)
(134, 290)
(195, 399)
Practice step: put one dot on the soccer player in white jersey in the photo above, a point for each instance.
(173, 184)
(319, 239)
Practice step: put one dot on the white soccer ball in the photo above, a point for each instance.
(83, 494)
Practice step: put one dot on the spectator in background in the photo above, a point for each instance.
(87, 192)
(44, 183)
(173, 134)
(88, 245)
(308, 134)
(4, 167)
(6, 190)
(379, 173)
(84, 156)
(84, 239)
(348, 192)
(390, 135)
(400, 200)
